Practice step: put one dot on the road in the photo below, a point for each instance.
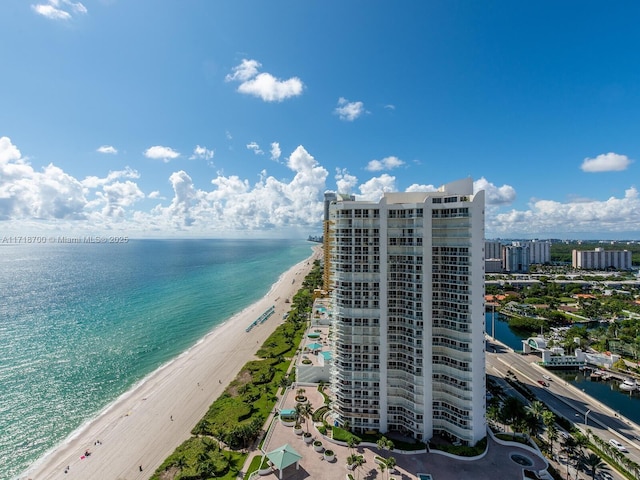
(563, 398)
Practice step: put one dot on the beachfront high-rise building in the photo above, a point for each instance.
(326, 234)
(407, 280)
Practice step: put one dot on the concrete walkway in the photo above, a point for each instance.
(496, 464)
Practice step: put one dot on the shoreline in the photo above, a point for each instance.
(135, 433)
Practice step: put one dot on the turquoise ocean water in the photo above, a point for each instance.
(80, 324)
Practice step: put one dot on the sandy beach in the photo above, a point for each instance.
(145, 425)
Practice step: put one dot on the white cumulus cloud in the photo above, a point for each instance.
(8, 151)
(235, 205)
(243, 72)
(416, 187)
(275, 151)
(345, 182)
(158, 152)
(119, 195)
(185, 197)
(253, 146)
(202, 153)
(263, 85)
(388, 163)
(555, 218)
(349, 111)
(606, 162)
(59, 9)
(503, 195)
(29, 194)
(374, 188)
(95, 182)
(267, 206)
(107, 149)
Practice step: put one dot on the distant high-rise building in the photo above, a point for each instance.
(407, 280)
(515, 258)
(539, 251)
(326, 240)
(493, 265)
(601, 259)
(492, 249)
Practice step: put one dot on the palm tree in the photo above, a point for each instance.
(389, 445)
(202, 457)
(581, 441)
(304, 410)
(548, 418)
(569, 447)
(552, 435)
(209, 445)
(512, 411)
(358, 461)
(385, 444)
(536, 409)
(180, 463)
(382, 468)
(391, 464)
(493, 413)
(532, 423)
(628, 463)
(351, 443)
(284, 382)
(205, 469)
(593, 463)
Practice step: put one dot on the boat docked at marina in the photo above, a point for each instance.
(629, 385)
(599, 375)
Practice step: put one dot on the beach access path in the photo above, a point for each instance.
(144, 426)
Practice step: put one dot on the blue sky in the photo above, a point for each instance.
(219, 118)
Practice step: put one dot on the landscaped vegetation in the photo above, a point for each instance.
(604, 316)
(581, 452)
(236, 419)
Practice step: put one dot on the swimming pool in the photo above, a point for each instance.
(425, 476)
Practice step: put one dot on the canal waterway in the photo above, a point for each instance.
(606, 392)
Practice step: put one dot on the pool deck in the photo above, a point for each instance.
(495, 464)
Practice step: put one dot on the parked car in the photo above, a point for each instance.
(618, 445)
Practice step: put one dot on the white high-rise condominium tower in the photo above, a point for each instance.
(407, 279)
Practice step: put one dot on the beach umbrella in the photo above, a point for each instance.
(284, 456)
